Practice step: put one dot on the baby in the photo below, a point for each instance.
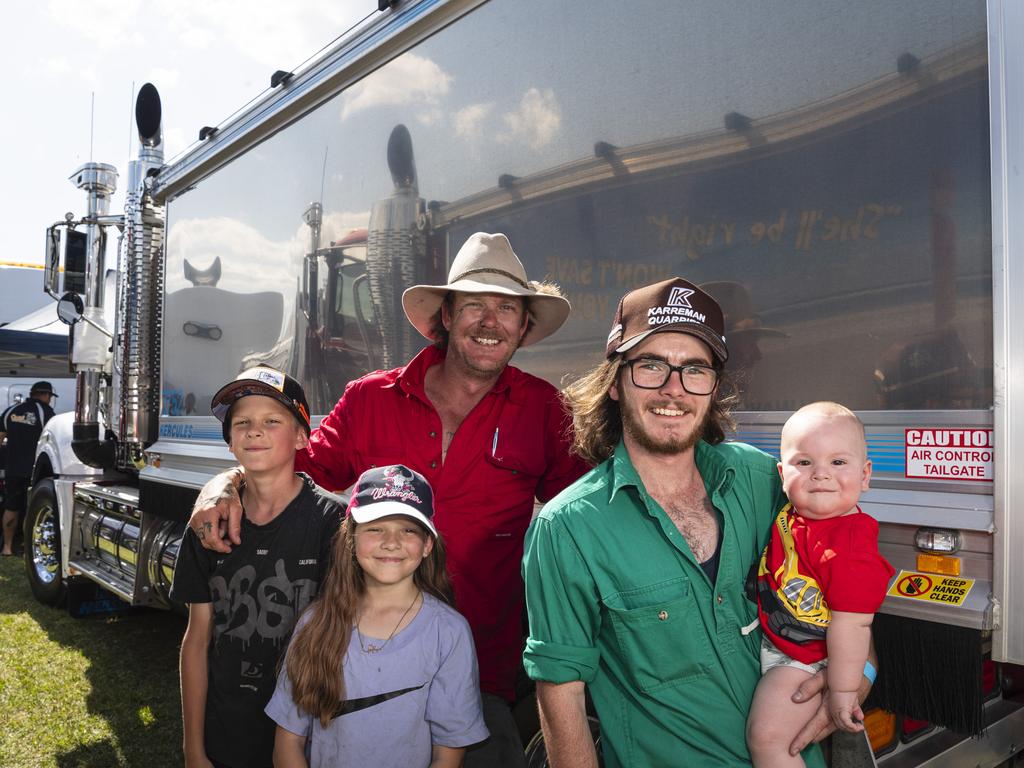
(820, 581)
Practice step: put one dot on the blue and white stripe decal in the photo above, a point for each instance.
(886, 451)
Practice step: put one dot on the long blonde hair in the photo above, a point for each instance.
(597, 419)
(317, 653)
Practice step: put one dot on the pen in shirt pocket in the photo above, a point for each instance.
(494, 444)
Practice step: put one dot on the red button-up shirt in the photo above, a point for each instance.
(513, 446)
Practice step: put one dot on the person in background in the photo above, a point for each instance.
(22, 424)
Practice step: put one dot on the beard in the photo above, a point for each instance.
(664, 446)
(459, 353)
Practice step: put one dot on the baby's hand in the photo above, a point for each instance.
(844, 709)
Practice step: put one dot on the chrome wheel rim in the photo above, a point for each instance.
(45, 558)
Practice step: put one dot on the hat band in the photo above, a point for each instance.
(489, 270)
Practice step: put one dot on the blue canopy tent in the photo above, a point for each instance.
(35, 346)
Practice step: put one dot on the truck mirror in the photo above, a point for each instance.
(75, 244)
(51, 275)
(70, 308)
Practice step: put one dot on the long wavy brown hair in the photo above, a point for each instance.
(597, 421)
(317, 653)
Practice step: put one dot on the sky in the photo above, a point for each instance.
(66, 59)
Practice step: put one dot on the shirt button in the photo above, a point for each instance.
(720, 599)
(433, 433)
(433, 465)
(662, 615)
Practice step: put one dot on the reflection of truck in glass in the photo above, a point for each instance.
(843, 186)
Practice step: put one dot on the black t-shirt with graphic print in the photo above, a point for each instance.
(257, 592)
(23, 424)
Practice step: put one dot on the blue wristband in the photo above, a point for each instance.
(870, 672)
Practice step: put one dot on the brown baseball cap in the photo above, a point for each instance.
(671, 305)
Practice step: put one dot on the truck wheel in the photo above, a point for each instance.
(42, 544)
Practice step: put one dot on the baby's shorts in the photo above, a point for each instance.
(771, 657)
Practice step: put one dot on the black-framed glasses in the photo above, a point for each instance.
(651, 373)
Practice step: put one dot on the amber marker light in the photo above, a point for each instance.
(941, 564)
(881, 729)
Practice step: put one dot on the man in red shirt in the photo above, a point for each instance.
(489, 438)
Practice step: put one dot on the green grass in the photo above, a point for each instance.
(97, 692)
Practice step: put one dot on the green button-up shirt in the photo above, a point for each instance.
(617, 600)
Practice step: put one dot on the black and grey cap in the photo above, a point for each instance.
(266, 381)
(43, 387)
(392, 490)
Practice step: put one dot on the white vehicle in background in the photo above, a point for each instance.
(15, 390)
(842, 177)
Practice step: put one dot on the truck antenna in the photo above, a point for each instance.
(323, 176)
(131, 103)
(92, 120)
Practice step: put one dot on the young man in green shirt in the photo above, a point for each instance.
(634, 574)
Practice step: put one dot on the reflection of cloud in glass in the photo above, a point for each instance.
(468, 120)
(408, 80)
(536, 121)
(337, 224)
(251, 263)
(429, 116)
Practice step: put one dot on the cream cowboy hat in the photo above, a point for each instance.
(487, 264)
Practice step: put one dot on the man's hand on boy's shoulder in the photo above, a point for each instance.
(217, 514)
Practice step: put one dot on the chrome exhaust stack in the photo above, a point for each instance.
(131, 364)
(136, 379)
(396, 249)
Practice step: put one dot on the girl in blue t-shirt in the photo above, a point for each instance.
(381, 669)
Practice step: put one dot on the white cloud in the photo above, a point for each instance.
(56, 67)
(408, 80)
(168, 78)
(430, 116)
(91, 79)
(175, 140)
(99, 20)
(207, 58)
(196, 38)
(536, 121)
(468, 120)
(335, 225)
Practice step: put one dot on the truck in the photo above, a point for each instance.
(841, 177)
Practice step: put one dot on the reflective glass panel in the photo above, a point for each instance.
(820, 167)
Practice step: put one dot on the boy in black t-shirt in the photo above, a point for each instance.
(243, 605)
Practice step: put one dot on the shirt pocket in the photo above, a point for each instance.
(659, 633)
(519, 458)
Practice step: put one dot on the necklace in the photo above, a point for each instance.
(370, 647)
